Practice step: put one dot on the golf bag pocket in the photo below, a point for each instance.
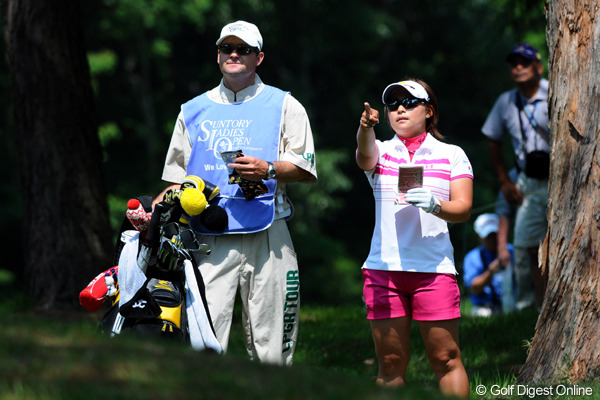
(156, 310)
(170, 299)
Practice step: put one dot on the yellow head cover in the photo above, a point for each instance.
(193, 201)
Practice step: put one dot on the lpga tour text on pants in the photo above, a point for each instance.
(290, 308)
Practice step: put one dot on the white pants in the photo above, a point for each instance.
(264, 267)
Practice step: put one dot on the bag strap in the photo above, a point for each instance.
(536, 127)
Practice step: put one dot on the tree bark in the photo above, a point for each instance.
(566, 345)
(65, 214)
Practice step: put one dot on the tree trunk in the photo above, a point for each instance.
(566, 345)
(65, 216)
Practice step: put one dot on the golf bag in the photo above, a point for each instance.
(153, 302)
(155, 287)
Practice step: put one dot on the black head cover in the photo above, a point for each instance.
(214, 218)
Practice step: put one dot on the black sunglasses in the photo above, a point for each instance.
(406, 102)
(520, 60)
(240, 49)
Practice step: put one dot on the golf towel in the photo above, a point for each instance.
(132, 279)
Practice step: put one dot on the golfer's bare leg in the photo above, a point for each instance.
(392, 346)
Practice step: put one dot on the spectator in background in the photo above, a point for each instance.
(523, 114)
(488, 279)
(506, 214)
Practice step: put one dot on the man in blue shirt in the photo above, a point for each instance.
(522, 113)
(484, 272)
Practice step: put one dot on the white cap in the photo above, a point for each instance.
(486, 224)
(246, 31)
(414, 88)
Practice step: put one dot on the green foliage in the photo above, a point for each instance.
(102, 62)
(109, 132)
(322, 201)
(6, 278)
(328, 274)
(117, 207)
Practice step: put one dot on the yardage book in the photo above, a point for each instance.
(409, 177)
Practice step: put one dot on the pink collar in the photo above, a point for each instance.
(413, 143)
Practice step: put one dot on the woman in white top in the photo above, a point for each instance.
(409, 273)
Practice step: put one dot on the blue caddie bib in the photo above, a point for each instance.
(252, 126)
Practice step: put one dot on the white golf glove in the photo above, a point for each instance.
(422, 198)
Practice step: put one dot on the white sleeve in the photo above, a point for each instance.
(461, 166)
(297, 144)
(178, 154)
(494, 125)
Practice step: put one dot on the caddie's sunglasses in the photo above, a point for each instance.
(406, 102)
(240, 49)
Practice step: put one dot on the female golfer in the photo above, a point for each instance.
(410, 273)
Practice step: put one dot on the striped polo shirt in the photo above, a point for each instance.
(406, 238)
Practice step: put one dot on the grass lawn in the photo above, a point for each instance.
(63, 357)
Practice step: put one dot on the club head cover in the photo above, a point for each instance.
(210, 190)
(193, 201)
(138, 214)
(214, 218)
(95, 293)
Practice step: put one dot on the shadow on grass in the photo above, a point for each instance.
(47, 357)
(62, 356)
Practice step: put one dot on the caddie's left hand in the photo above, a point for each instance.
(422, 198)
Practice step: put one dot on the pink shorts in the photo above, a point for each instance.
(423, 296)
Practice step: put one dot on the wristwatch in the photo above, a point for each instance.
(271, 172)
(437, 207)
